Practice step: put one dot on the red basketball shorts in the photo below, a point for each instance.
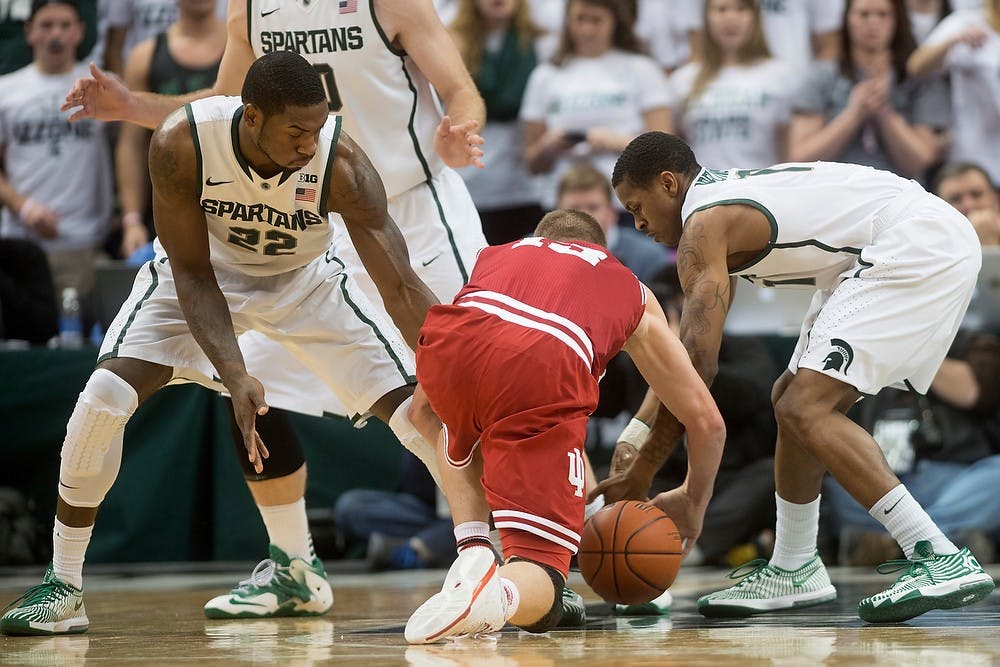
(524, 399)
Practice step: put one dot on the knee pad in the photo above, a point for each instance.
(554, 615)
(275, 429)
(410, 438)
(92, 450)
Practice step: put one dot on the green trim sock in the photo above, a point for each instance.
(908, 523)
(795, 533)
(288, 529)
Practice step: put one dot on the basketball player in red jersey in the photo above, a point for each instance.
(512, 368)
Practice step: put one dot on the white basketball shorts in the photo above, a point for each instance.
(316, 315)
(894, 314)
(443, 236)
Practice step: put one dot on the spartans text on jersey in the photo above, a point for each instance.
(299, 220)
(326, 40)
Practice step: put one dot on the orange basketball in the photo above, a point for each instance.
(630, 552)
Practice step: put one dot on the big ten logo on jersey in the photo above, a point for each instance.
(592, 256)
(308, 178)
(577, 472)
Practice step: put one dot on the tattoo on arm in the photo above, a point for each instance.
(663, 438)
(705, 297)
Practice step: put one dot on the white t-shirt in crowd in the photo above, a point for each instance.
(65, 166)
(735, 121)
(613, 91)
(790, 24)
(664, 26)
(975, 91)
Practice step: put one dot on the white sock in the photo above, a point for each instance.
(907, 522)
(69, 547)
(512, 597)
(795, 533)
(472, 534)
(288, 528)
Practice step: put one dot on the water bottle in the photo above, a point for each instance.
(70, 322)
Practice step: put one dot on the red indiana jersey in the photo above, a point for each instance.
(575, 292)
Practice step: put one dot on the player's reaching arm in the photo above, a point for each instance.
(664, 363)
(103, 96)
(708, 289)
(357, 193)
(414, 25)
(181, 228)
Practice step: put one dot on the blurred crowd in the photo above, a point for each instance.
(910, 86)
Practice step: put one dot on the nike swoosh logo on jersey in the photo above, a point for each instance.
(263, 14)
(430, 260)
(210, 182)
(893, 506)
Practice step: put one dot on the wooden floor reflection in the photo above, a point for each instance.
(158, 620)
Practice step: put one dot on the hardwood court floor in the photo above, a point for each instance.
(158, 620)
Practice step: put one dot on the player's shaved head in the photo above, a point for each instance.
(567, 225)
(282, 79)
(649, 155)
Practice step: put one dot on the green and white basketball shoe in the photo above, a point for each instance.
(53, 607)
(765, 588)
(658, 606)
(574, 609)
(278, 586)
(931, 581)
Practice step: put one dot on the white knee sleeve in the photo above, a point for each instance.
(92, 450)
(412, 440)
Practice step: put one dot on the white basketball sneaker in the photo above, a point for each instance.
(931, 581)
(278, 586)
(471, 602)
(53, 607)
(765, 588)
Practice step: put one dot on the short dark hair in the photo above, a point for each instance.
(282, 79)
(37, 5)
(650, 154)
(953, 169)
(566, 225)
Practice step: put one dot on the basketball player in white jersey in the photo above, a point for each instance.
(894, 268)
(241, 192)
(378, 69)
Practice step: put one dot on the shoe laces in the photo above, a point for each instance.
(751, 570)
(261, 575)
(48, 591)
(914, 568)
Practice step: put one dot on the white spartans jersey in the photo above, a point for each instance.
(388, 106)
(822, 215)
(258, 226)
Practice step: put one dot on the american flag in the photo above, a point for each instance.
(348, 6)
(305, 194)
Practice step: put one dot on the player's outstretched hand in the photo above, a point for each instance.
(459, 145)
(248, 402)
(102, 95)
(622, 486)
(687, 515)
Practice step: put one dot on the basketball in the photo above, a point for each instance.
(630, 552)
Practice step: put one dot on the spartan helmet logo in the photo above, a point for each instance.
(840, 356)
